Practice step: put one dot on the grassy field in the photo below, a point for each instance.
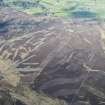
(65, 8)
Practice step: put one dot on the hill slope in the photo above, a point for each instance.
(57, 55)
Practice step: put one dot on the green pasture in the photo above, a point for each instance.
(93, 9)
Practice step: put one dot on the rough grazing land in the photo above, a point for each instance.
(91, 9)
(62, 59)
